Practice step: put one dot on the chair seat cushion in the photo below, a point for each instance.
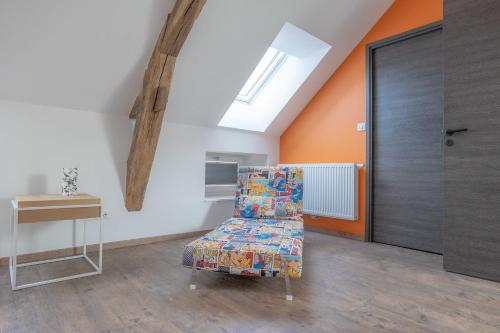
(246, 246)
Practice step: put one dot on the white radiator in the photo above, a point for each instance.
(331, 189)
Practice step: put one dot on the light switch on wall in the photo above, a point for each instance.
(361, 127)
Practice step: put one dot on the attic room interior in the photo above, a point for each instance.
(250, 166)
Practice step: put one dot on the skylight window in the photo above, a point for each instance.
(267, 66)
(287, 63)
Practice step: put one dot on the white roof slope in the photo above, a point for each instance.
(90, 55)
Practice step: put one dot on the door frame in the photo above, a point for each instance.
(370, 48)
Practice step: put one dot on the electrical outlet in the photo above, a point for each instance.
(361, 127)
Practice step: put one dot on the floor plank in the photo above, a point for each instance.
(347, 286)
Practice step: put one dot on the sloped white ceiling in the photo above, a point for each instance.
(90, 55)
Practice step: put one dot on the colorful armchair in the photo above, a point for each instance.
(265, 235)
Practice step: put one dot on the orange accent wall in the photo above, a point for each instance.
(325, 131)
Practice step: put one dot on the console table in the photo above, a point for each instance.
(46, 208)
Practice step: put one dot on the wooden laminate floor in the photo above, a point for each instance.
(347, 286)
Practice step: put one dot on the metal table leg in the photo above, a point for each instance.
(100, 245)
(84, 237)
(98, 266)
(13, 272)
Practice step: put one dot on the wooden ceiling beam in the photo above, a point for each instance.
(149, 106)
(172, 37)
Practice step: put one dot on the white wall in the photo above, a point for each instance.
(37, 141)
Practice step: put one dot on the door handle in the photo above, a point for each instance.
(450, 132)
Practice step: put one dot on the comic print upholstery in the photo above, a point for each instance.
(271, 192)
(271, 182)
(257, 206)
(252, 245)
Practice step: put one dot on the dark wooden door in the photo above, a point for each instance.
(472, 163)
(407, 147)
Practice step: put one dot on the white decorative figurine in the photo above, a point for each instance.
(69, 181)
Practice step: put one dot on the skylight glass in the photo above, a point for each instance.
(287, 63)
(267, 66)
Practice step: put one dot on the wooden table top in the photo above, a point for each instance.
(44, 200)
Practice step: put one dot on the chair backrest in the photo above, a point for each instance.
(271, 182)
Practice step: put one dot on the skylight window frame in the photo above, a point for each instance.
(263, 78)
